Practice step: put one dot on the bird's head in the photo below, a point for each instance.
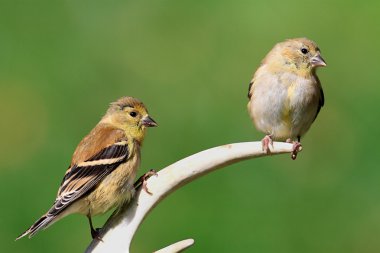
(131, 115)
(299, 54)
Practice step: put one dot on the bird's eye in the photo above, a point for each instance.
(133, 114)
(304, 50)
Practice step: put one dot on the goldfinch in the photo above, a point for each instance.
(103, 167)
(285, 94)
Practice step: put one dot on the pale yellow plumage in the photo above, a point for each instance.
(285, 94)
(103, 166)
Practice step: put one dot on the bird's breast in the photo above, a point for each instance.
(281, 103)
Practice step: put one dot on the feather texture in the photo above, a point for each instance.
(112, 150)
(103, 167)
(285, 94)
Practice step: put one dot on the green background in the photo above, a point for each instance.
(190, 62)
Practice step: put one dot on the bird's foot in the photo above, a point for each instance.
(266, 141)
(296, 148)
(95, 233)
(142, 181)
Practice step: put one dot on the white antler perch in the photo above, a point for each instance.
(119, 230)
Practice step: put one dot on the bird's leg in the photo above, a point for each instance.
(266, 141)
(296, 147)
(142, 181)
(95, 232)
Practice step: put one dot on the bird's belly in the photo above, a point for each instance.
(114, 190)
(272, 123)
(267, 111)
(284, 112)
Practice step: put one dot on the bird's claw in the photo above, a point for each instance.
(95, 234)
(266, 141)
(296, 148)
(143, 180)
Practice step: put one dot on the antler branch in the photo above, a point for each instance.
(120, 228)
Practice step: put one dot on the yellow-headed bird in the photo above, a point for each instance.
(103, 167)
(285, 94)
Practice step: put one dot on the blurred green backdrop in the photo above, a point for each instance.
(62, 62)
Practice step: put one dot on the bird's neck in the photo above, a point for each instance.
(300, 70)
(136, 133)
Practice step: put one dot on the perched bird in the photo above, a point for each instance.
(285, 94)
(103, 166)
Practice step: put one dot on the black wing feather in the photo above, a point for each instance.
(81, 179)
(321, 98)
(249, 90)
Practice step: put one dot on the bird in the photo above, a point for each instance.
(285, 94)
(103, 167)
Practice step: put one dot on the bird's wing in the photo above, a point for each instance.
(83, 176)
(321, 98)
(251, 86)
(250, 90)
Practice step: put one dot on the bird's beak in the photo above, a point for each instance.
(317, 61)
(148, 122)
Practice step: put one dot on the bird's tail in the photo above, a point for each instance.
(41, 223)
